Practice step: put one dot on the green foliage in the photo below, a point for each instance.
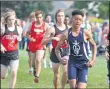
(81, 4)
(103, 7)
(99, 20)
(24, 8)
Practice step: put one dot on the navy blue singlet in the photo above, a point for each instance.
(78, 49)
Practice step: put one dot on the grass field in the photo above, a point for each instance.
(97, 75)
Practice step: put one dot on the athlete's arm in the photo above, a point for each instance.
(2, 30)
(28, 34)
(28, 31)
(89, 29)
(46, 26)
(63, 37)
(20, 31)
(107, 55)
(88, 36)
(49, 35)
(2, 49)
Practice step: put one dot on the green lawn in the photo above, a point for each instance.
(97, 75)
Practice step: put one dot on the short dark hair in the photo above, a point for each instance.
(38, 12)
(67, 16)
(77, 12)
(47, 15)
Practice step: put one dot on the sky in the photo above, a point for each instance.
(61, 5)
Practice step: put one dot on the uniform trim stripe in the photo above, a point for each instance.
(85, 52)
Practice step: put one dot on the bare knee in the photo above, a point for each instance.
(38, 61)
(65, 73)
(3, 72)
(14, 73)
(72, 84)
(56, 75)
(81, 85)
(3, 77)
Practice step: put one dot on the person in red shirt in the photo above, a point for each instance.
(53, 34)
(35, 35)
(9, 37)
(31, 19)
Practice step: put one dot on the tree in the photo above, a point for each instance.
(80, 4)
(94, 7)
(24, 8)
(104, 9)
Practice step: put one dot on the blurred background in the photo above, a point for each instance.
(97, 10)
(97, 16)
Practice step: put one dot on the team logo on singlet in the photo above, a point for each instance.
(11, 37)
(38, 31)
(76, 48)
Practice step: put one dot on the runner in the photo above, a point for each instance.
(10, 35)
(29, 22)
(48, 19)
(53, 34)
(67, 21)
(35, 34)
(78, 61)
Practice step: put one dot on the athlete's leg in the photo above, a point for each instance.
(72, 74)
(32, 57)
(64, 76)
(30, 63)
(56, 67)
(29, 57)
(50, 49)
(108, 67)
(4, 70)
(13, 67)
(82, 78)
(72, 83)
(39, 57)
(44, 63)
(81, 85)
(44, 60)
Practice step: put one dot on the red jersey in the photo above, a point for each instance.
(58, 33)
(9, 39)
(37, 33)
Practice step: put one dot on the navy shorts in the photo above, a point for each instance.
(76, 73)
